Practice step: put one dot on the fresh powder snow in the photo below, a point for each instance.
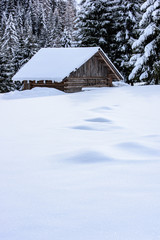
(56, 63)
(80, 166)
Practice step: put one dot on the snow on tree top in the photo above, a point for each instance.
(54, 63)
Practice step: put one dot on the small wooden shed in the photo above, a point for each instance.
(68, 69)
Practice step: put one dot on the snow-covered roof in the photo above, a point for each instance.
(54, 63)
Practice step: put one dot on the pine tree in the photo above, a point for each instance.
(90, 26)
(109, 28)
(70, 15)
(28, 25)
(42, 26)
(147, 55)
(11, 7)
(9, 48)
(2, 8)
(29, 40)
(127, 16)
(96, 25)
(58, 26)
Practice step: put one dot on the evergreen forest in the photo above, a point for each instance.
(127, 30)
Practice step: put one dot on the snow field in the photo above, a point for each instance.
(80, 166)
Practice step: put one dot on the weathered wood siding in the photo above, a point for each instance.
(95, 67)
(94, 72)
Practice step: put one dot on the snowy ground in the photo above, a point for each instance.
(83, 166)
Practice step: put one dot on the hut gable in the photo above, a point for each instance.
(68, 69)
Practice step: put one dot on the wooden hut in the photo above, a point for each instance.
(68, 69)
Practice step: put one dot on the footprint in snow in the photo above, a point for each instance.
(99, 119)
(89, 157)
(83, 127)
(102, 109)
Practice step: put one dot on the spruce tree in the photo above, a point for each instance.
(28, 25)
(70, 15)
(110, 27)
(90, 26)
(9, 48)
(126, 18)
(30, 45)
(147, 55)
(96, 25)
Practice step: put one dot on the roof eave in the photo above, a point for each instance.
(110, 64)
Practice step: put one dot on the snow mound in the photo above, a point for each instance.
(57, 63)
(120, 84)
(33, 93)
(139, 149)
(97, 180)
(89, 157)
(47, 63)
(140, 84)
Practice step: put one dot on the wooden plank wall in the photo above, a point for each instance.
(94, 67)
(94, 72)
